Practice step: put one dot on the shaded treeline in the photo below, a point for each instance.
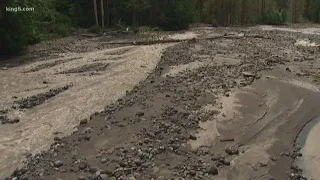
(57, 18)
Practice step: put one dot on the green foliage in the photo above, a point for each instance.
(95, 29)
(312, 10)
(15, 31)
(19, 29)
(56, 18)
(282, 4)
(274, 17)
(178, 15)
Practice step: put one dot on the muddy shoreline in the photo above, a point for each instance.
(210, 110)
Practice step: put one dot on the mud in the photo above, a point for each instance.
(208, 109)
(49, 65)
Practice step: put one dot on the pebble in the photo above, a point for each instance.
(99, 155)
(273, 159)
(104, 160)
(212, 170)
(104, 177)
(248, 74)
(287, 69)
(192, 173)
(140, 113)
(82, 178)
(193, 137)
(138, 162)
(93, 170)
(225, 162)
(83, 165)
(231, 151)
(58, 163)
(57, 139)
(83, 121)
(74, 130)
(123, 164)
(262, 164)
(88, 130)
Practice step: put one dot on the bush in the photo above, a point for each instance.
(274, 17)
(177, 16)
(63, 30)
(95, 29)
(16, 30)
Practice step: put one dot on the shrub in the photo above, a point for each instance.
(178, 15)
(95, 29)
(274, 17)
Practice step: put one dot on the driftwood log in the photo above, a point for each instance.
(163, 41)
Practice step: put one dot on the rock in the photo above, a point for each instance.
(24, 177)
(284, 154)
(225, 162)
(248, 74)
(83, 165)
(193, 137)
(87, 130)
(138, 162)
(104, 177)
(226, 139)
(93, 177)
(131, 178)
(104, 160)
(212, 170)
(16, 120)
(273, 158)
(287, 69)
(82, 178)
(232, 151)
(58, 163)
(83, 121)
(57, 139)
(156, 169)
(74, 130)
(192, 173)
(123, 164)
(99, 155)
(93, 170)
(13, 121)
(140, 113)
(106, 171)
(262, 164)
(87, 137)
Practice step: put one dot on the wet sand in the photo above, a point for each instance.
(309, 140)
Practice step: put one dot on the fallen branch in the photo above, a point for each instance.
(146, 42)
(183, 40)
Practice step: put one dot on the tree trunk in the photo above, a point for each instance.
(96, 11)
(108, 14)
(244, 12)
(263, 8)
(102, 13)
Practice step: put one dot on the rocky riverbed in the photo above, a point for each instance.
(210, 108)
